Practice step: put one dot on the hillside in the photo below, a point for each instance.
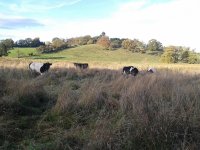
(88, 53)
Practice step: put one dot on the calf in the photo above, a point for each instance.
(39, 67)
(81, 65)
(130, 70)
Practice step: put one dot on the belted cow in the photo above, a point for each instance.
(130, 70)
(39, 67)
(81, 65)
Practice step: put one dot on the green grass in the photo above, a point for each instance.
(22, 52)
(90, 53)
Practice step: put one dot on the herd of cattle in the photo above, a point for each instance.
(44, 67)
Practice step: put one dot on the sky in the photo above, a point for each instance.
(172, 22)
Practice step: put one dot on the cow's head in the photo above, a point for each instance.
(48, 64)
(85, 66)
(45, 67)
(134, 71)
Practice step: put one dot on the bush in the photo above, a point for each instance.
(192, 59)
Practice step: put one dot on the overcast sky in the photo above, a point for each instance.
(172, 22)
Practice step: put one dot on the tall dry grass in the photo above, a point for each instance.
(99, 109)
(23, 64)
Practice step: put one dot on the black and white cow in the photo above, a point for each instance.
(151, 70)
(81, 65)
(130, 70)
(39, 67)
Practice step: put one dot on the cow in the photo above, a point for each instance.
(39, 67)
(81, 65)
(151, 70)
(130, 70)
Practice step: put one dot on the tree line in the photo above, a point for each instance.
(169, 54)
(8, 44)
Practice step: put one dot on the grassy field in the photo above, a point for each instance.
(98, 109)
(93, 54)
(21, 52)
(88, 53)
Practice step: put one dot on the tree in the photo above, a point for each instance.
(104, 41)
(28, 42)
(184, 56)
(170, 55)
(192, 59)
(83, 40)
(20, 43)
(95, 39)
(36, 42)
(6, 45)
(138, 46)
(59, 44)
(134, 45)
(141, 46)
(103, 34)
(126, 43)
(115, 43)
(71, 42)
(44, 49)
(3, 49)
(9, 43)
(91, 41)
(154, 45)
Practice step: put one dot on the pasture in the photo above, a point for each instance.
(22, 52)
(87, 53)
(99, 108)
